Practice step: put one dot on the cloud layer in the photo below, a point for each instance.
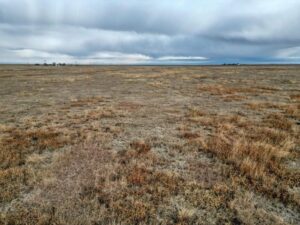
(149, 31)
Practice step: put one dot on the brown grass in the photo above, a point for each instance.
(190, 135)
(250, 213)
(18, 143)
(278, 121)
(221, 89)
(140, 146)
(258, 152)
(11, 181)
(149, 145)
(295, 97)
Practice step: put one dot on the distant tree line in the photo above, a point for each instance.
(231, 64)
(51, 64)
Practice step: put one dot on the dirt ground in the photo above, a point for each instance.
(149, 145)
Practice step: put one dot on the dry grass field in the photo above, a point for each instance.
(149, 145)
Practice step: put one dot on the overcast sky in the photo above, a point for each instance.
(150, 31)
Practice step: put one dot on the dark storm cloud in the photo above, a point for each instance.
(133, 31)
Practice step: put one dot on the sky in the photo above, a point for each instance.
(150, 31)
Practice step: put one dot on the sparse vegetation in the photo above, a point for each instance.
(149, 145)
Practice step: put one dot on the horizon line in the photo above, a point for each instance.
(152, 64)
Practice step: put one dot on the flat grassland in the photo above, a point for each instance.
(149, 145)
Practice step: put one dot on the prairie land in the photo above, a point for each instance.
(149, 145)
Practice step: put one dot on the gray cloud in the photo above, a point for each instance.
(91, 31)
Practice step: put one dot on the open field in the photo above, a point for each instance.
(149, 145)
